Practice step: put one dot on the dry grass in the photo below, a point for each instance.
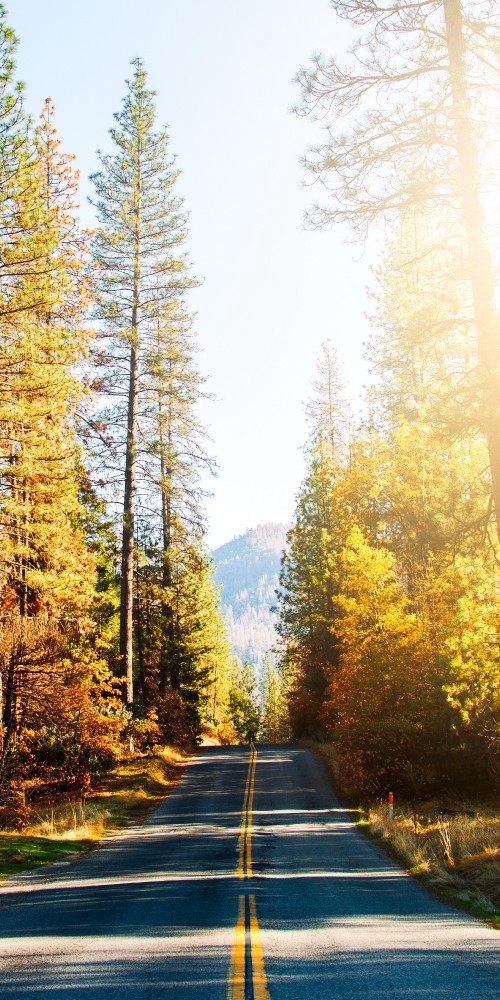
(456, 853)
(71, 821)
(56, 829)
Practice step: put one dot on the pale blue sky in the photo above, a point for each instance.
(272, 292)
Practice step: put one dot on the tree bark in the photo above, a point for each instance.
(486, 317)
(167, 665)
(127, 567)
(140, 652)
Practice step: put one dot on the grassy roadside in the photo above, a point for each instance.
(56, 830)
(456, 856)
(454, 852)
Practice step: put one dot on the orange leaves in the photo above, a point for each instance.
(382, 700)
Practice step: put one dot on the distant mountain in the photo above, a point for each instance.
(248, 570)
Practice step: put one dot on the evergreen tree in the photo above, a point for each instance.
(141, 268)
(274, 722)
(309, 576)
(327, 409)
(18, 186)
(242, 705)
(307, 585)
(172, 442)
(47, 636)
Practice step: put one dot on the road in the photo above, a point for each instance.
(249, 882)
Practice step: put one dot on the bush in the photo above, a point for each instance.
(178, 720)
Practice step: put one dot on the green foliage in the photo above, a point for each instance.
(178, 720)
(402, 543)
(308, 582)
(242, 709)
(389, 589)
(274, 721)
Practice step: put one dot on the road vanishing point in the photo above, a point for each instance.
(251, 881)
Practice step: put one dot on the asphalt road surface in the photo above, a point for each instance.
(250, 882)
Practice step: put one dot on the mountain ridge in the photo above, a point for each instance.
(247, 569)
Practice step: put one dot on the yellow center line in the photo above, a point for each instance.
(247, 959)
(250, 818)
(236, 981)
(245, 843)
(260, 990)
(247, 976)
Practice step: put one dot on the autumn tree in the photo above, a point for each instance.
(385, 706)
(473, 651)
(51, 668)
(43, 345)
(141, 268)
(417, 125)
(215, 699)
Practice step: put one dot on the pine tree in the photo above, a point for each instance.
(173, 454)
(309, 576)
(417, 107)
(327, 409)
(48, 573)
(18, 188)
(307, 584)
(141, 269)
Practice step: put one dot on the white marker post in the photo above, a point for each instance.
(391, 806)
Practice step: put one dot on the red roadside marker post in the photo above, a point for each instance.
(391, 806)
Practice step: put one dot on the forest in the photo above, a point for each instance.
(112, 636)
(389, 593)
(111, 633)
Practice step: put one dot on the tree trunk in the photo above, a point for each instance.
(167, 669)
(127, 584)
(140, 651)
(9, 708)
(129, 495)
(486, 317)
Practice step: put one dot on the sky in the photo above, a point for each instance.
(272, 291)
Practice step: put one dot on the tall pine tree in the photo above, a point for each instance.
(141, 268)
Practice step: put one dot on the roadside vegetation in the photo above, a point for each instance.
(389, 600)
(111, 631)
(455, 851)
(53, 827)
(451, 845)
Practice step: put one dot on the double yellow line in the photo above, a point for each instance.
(245, 850)
(247, 976)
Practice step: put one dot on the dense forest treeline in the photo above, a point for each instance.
(111, 633)
(390, 589)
